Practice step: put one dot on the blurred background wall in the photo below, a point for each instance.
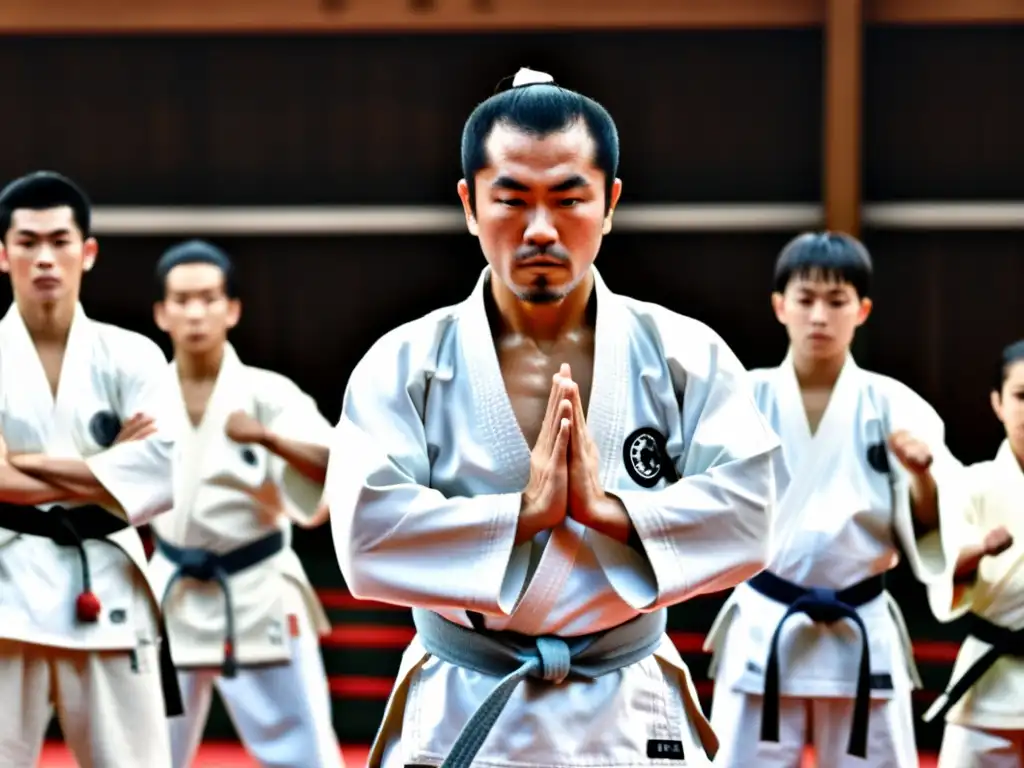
(318, 141)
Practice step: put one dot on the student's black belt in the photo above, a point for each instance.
(203, 565)
(71, 527)
(1004, 642)
(825, 606)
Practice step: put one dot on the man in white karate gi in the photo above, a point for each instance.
(251, 459)
(541, 470)
(814, 648)
(85, 457)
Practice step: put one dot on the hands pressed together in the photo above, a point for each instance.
(564, 471)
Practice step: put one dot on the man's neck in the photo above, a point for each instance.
(543, 322)
(818, 372)
(48, 323)
(199, 367)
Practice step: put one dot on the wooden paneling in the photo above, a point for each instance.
(319, 16)
(711, 116)
(943, 117)
(946, 304)
(327, 16)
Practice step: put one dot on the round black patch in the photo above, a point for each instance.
(104, 426)
(645, 456)
(249, 456)
(878, 457)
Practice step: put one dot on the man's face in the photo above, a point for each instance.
(196, 311)
(45, 254)
(1009, 407)
(820, 315)
(540, 210)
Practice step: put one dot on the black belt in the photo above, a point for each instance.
(71, 528)
(1004, 642)
(825, 606)
(203, 565)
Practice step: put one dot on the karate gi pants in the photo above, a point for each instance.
(963, 746)
(109, 704)
(736, 719)
(282, 713)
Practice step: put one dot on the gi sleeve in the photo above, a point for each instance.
(948, 599)
(138, 473)
(286, 410)
(932, 556)
(710, 530)
(397, 539)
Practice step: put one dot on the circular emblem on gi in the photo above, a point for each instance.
(249, 456)
(878, 457)
(645, 457)
(104, 426)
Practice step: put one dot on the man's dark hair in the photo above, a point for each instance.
(1012, 354)
(539, 109)
(40, 191)
(832, 256)
(195, 252)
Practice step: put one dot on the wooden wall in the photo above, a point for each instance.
(705, 115)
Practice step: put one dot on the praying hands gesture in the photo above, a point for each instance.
(564, 471)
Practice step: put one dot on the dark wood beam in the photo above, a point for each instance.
(312, 16)
(944, 11)
(842, 144)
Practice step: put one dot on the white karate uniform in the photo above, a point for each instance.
(840, 522)
(279, 700)
(986, 727)
(103, 678)
(427, 468)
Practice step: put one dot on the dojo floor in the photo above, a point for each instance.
(232, 756)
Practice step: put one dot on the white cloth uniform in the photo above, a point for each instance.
(110, 704)
(424, 483)
(986, 726)
(840, 521)
(279, 700)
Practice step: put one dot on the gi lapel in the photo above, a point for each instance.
(506, 443)
(28, 401)
(607, 409)
(810, 456)
(196, 453)
(76, 380)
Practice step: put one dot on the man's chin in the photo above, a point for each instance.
(540, 296)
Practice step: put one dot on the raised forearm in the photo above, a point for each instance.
(612, 519)
(16, 487)
(309, 459)
(924, 503)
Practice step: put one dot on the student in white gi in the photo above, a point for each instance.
(814, 646)
(251, 460)
(540, 470)
(85, 456)
(984, 704)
